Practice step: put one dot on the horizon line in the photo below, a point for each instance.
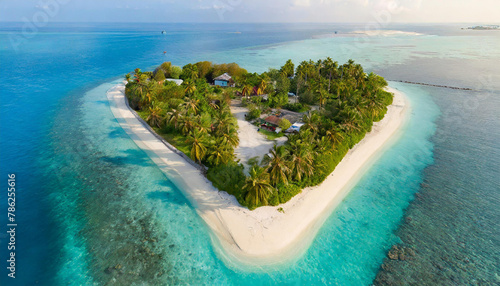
(229, 22)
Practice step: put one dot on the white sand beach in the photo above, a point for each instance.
(368, 33)
(385, 33)
(264, 236)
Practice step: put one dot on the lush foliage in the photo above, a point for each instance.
(346, 102)
(297, 107)
(257, 187)
(284, 124)
(229, 178)
(192, 110)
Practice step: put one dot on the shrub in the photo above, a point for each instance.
(278, 99)
(254, 113)
(149, 74)
(296, 107)
(218, 89)
(284, 124)
(159, 76)
(274, 199)
(166, 67)
(307, 97)
(256, 99)
(175, 72)
(286, 192)
(229, 178)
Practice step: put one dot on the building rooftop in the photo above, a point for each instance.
(224, 77)
(273, 120)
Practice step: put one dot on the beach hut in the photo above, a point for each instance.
(271, 123)
(224, 80)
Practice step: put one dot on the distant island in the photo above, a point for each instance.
(311, 115)
(484, 27)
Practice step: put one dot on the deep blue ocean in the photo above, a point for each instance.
(93, 209)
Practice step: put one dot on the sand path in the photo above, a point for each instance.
(252, 143)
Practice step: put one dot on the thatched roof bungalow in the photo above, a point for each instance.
(224, 80)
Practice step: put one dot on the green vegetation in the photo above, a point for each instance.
(229, 178)
(296, 107)
(349, 101)
(253, 112)
(195, 117)
(271, 135)
(257, 187)
(284, 124)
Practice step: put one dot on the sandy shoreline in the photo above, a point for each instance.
(263, 236)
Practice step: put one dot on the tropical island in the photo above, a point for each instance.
(255, 153)
(334, 105)
(484, 27)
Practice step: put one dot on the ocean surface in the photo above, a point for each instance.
(93, 209)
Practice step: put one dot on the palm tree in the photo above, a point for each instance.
(322, 97)
(232, 137)
(350, 120)
(257, 187)
(213, 105)
(220, 152)
(198, 142)
(334, 135)
(155, 116)
(307, 136)
(204, 122)
(191, 105)
(222, 120)
(323, 146)
(301, 160)
(278, 166)
(358, 104)
(193, 73)
(262, 86)
(127, 77)
(174, 117)
(190, 87)
(374, 105)
(187, 123)
(150, 92)
(139, 89)
(299, 75)
(247, 90)
(331, 69)
(311, 121)
(134, 92)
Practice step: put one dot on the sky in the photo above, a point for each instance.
(227, 11)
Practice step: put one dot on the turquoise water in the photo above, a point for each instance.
(103, 212)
